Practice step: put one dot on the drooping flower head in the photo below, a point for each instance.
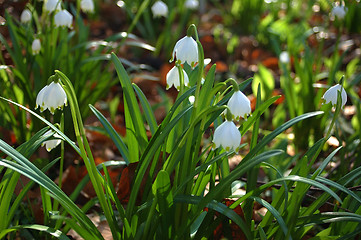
(173, 78)
(227, 136)
(25, 16)
(332, 93)
(51, 144)
(52, 5)
(63, 19)
(51, 97)
(159, 9)
(36, 46)
(87, 5)
(239, 105)
(192, 4)
(339, 11)
(186, 50)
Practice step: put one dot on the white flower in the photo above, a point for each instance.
(284, 57)
(87, 5)
(51, 144)
(192, 4)
(25, 16)
(51, 97)
(63, 19)
(239, 105)
(339, 11)
(191, 99)
(227, 135)
(51, 5)
(332, 93)
(36, 46)
(159, 9)
(173, 78)
(186, 50)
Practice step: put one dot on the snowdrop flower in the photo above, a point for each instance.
(52, 5)
(239, 105)
(87, 5)
(339, 11)
(36, 46)
(51, 144)
(51, 97)
(186, 50)
(25, 16)
(192, 4)
(159, 9)
(227, 135)
(284, 57)
(173, 78)
(63, 19)
(332, 93)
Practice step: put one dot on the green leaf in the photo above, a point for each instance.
(219, 207)
(132, 104)
(274, 212)
(149, 115)
(113, 134)
(55, 233)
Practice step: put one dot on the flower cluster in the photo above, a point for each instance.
(227, 134)
(186, 51)
(51, 97)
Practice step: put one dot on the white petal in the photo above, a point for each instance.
(51, 144)
(332, 93)
(40, 97)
